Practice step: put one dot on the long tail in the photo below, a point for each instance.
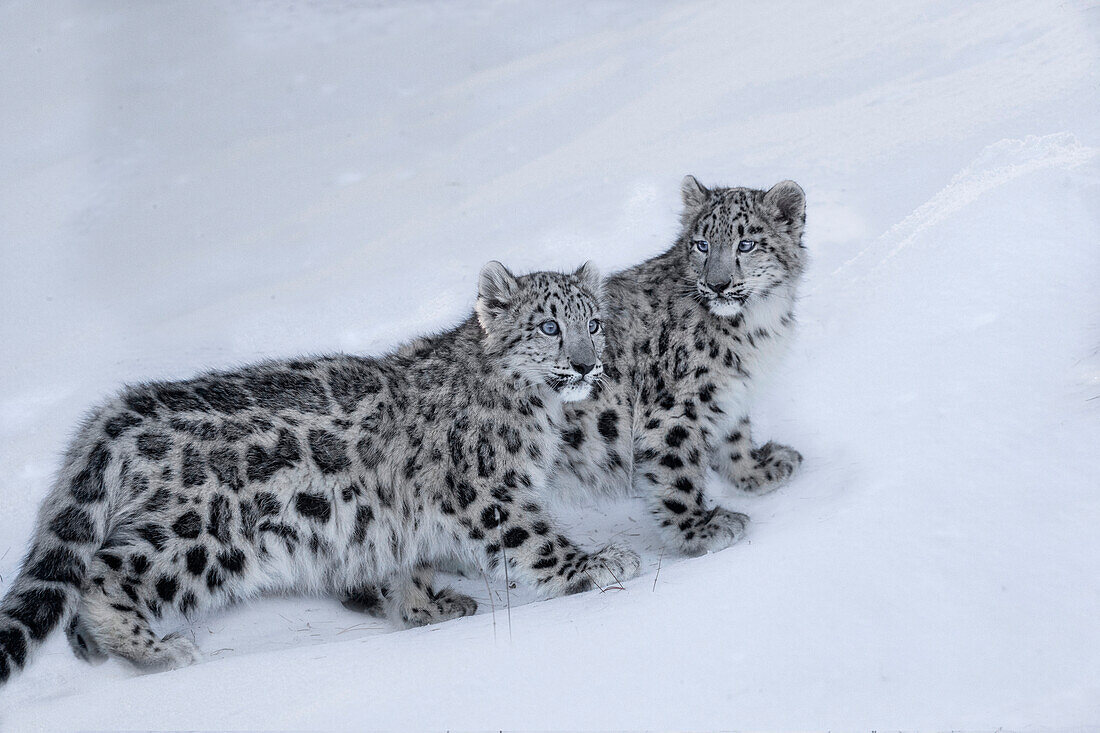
(72, 525)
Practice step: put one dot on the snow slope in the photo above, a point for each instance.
(188, 185)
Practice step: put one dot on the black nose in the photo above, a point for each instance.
(719, 287)
(582, 369)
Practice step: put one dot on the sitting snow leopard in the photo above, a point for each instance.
(324, 475)
(690, 332)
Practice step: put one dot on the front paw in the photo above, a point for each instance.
(611, 566)
(712, 530)
(437, 607)
(777, 461)
(772, 464)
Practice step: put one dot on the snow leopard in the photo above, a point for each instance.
(343, 475)
(691, 333)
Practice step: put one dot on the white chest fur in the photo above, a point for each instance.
(764, 338)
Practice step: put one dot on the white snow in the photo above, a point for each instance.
(193, 185)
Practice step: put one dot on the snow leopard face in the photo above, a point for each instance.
(741, 244)
(545, 326)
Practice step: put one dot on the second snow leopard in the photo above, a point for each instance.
(690, 333)
(326, 475)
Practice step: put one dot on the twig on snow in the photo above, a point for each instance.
(659, 558)
(352, 628)
(492, 606)
(507, 583)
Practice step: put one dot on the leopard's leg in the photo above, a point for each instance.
(113, 614)
(520, 536)
(369, 598)
(82, 641)
(455, 565)
(420, 604)
(670, 464)
(410, 600)
(753, 470)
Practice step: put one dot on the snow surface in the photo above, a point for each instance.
(194, 185)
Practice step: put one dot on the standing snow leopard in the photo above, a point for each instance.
(327, 475)
(690, 333)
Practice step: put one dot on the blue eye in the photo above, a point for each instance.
(746, 245)
(702, 245)
(593, 326)
(550, 328)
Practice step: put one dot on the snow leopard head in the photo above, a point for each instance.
(545, 326)
(742, 245)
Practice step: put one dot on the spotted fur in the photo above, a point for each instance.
(689, 337)
(336, 475)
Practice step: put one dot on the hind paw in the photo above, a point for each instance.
(178, 652)
(83, 644)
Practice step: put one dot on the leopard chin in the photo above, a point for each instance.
(725, 308)
(575, 392)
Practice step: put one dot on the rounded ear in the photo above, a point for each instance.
(588, 276)
(495, 287)
(788, 201)
(692, 192)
